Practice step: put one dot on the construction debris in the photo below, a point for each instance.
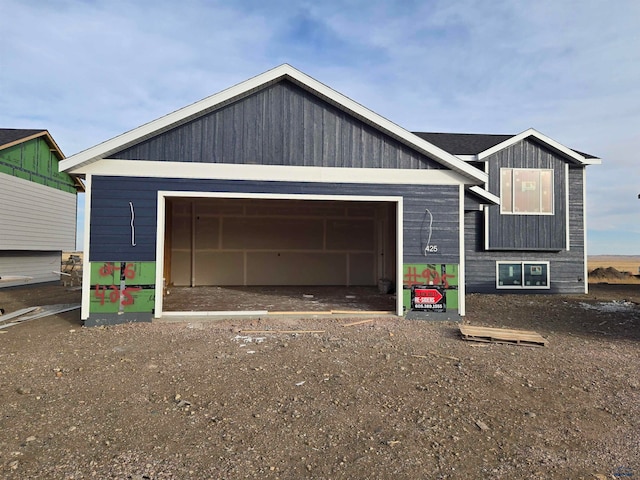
(15, 278)
(357, 323)
(280, 331)
(32, 313)
(71, 273)
(502, 335)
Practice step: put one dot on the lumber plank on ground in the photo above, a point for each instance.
(281, 331)
(309, 312)
(502, 335)
(357, 323)
(362, 312)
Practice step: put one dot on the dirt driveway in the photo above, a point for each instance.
(389, 398)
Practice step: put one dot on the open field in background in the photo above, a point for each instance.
(622, 263)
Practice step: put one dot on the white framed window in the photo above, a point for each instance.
(521, 275)
(526, 191)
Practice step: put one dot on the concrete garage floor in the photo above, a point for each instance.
(278, 299)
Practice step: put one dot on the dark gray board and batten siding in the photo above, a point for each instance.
(566, 267)
(110, 229)
(528, 232)
(281, 124)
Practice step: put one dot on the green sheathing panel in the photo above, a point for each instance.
(443, 276)
(122, 287)
(34, 161)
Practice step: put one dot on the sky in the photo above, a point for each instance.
(90, 70)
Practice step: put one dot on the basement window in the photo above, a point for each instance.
(517, 275)
(526, 191)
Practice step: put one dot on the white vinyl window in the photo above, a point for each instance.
(526, 191)
(522, 275)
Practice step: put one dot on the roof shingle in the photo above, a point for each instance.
(9, 135)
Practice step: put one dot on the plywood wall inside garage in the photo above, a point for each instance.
(279, 242)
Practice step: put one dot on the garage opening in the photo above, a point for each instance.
(274, 255)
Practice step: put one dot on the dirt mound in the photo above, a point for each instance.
(608, 273)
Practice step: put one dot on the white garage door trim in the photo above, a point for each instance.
(160, 222)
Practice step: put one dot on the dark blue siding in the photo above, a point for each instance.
(566, 267)
(528, 232)
(110, 214)
(282, 124)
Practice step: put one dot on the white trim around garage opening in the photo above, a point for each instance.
(463, 255)
(160, 232)
(86, 266)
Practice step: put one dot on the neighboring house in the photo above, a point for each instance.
(37, 207)
(281, 180)
(535, 241)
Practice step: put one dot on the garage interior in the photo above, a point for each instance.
(279, 255)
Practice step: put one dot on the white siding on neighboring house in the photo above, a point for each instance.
(39, 266)
(35, 217)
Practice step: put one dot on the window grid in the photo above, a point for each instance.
(534, 195)
(522, 275)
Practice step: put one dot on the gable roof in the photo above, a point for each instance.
(14, 136)
(10, 137)
(103, 150)
(480, 146)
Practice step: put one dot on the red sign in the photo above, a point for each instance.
(427, 296)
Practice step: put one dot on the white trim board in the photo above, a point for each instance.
(86, 266)
(160, 230)
(567, 152)
(584, 231)
(462, 260)
(81, 160)
(228, 171)
(567, 200)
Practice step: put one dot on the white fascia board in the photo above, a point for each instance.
(227, 171)
(481, 192)
(468, 158)
(431, 150)
(571, 154)
(103, 150)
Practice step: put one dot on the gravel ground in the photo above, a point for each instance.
(389, 398)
